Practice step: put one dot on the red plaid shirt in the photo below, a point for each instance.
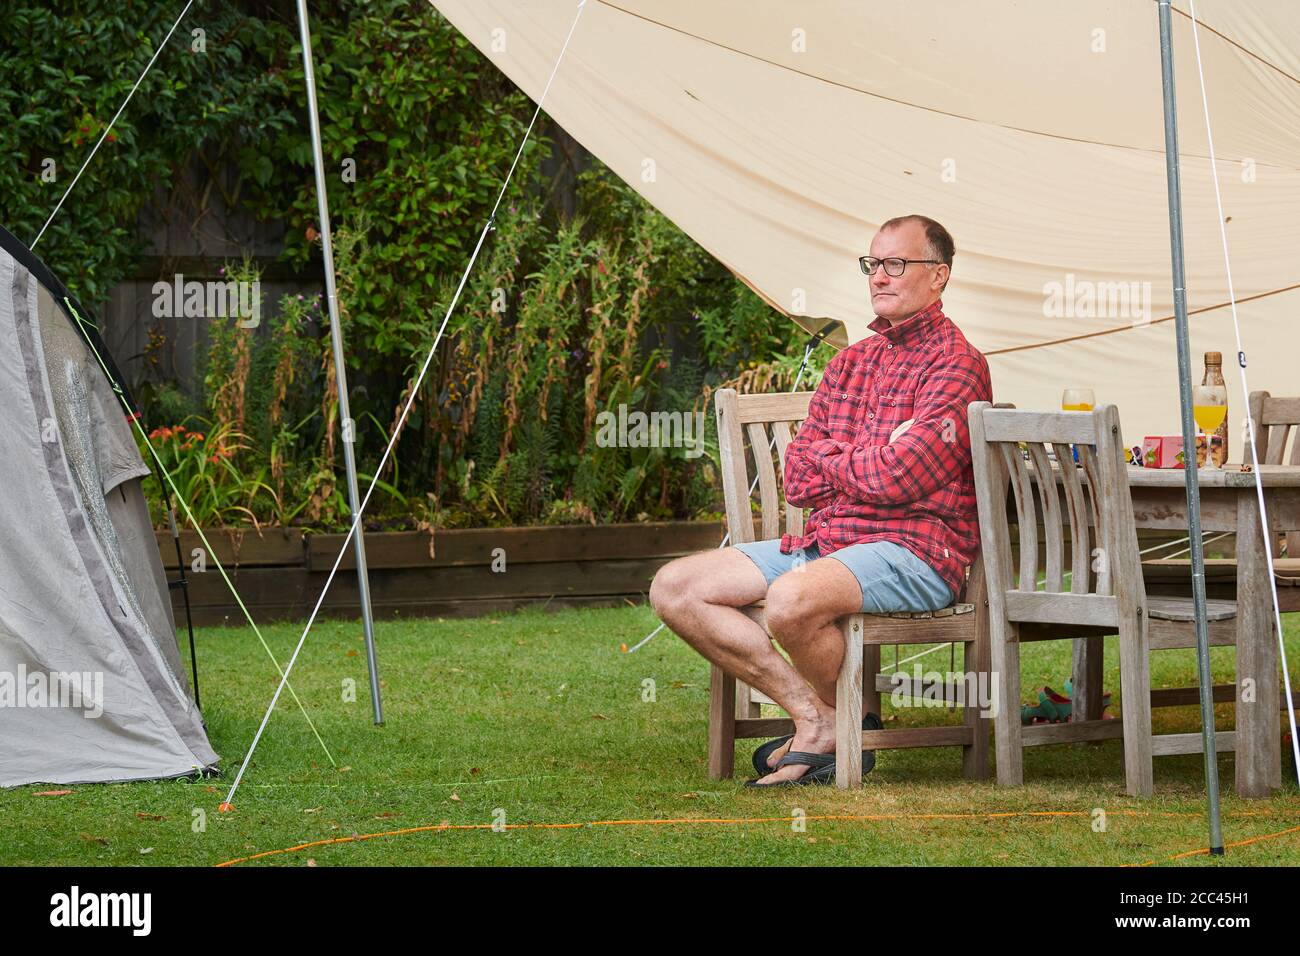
(917, 491)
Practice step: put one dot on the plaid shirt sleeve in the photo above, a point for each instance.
(931, 454)
(805, 485)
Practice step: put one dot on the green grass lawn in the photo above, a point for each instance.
(539, 718)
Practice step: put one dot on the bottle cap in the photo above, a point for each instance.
(1213, 358)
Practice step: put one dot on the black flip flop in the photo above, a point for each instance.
(869, 722)
(821, 769)
(766, 750)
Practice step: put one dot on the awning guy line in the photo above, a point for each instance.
(109, 127)
(921, 106)
(1134, 326)
(401, 422)
(135, 420)
(1250, 423)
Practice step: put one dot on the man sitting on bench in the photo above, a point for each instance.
(884, 461)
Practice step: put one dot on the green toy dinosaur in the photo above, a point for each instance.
(1054, 708)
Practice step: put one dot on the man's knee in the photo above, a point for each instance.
(723, 578)
(792, 608)
(670, 587)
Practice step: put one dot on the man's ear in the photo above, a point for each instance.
(947, 274)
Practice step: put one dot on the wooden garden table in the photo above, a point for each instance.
(1229, 504)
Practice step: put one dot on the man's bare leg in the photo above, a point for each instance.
(699, 598)
(803, 608)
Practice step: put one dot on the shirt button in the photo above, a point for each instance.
(844, 395)
(890, 345)
(824, 524)
(872, 415)
(891, 404)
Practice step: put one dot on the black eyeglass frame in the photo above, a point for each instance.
(862, 263)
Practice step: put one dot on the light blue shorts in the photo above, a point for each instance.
(892, 578)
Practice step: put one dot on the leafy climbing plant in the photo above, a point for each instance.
(564, 318)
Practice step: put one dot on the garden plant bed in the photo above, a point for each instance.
(280, 572)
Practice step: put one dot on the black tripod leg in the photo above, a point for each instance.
(184, 585)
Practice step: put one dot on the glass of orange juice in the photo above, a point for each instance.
(1078, 400)
(1209, 406)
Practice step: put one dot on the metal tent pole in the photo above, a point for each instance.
(336, 333)
(1189, 433)
(183, 584)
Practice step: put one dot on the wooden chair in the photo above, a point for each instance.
(1106, 593)
(771, 420)
(1276, 421)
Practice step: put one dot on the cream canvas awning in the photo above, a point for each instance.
(779, 135)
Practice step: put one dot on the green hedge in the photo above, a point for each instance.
(615, 306)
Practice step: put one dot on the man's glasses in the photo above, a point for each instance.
(893, 266)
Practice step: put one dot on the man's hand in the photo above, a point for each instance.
(900, 429)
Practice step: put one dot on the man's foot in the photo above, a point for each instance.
(765, 763)
(817, 736)
(775, 756)
(764, 750)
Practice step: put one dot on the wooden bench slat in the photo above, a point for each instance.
(1099, 610)
(1022, 488)
(952, 610)
(1002, 425)
(1077, 510)
(1050, 496)
(1182, 609)
(761, 447)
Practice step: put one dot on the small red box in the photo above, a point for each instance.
(1162, 451)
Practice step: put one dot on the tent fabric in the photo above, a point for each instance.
(129, 512)
(779, 136)
(91, 683)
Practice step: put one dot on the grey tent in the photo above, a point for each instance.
(92, 688)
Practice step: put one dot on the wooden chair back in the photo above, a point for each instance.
(1275, 419)
(1101, 563)
(1275, 428)
(770, 422)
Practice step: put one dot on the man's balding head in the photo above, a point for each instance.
(938, 240)
(910, 237)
